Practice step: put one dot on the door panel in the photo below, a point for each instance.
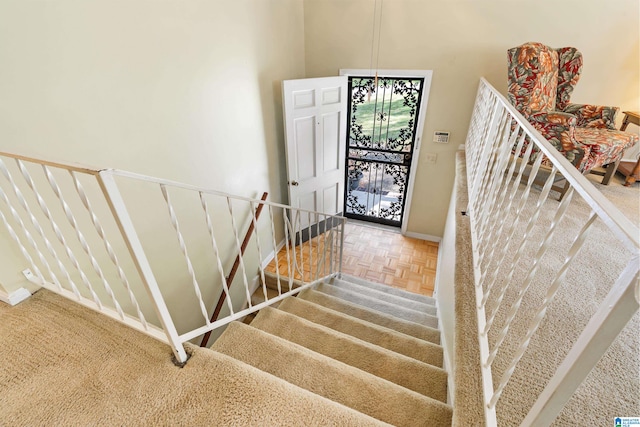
(331, 142)
(305, 142)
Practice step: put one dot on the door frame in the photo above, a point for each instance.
(422, 111)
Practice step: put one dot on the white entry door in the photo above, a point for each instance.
(315, 115)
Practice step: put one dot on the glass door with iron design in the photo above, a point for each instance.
(382, 119)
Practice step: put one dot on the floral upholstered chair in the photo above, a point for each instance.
(541, 80)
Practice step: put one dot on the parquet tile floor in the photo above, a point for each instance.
(377, 254)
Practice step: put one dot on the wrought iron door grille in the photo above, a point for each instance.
(383, 121)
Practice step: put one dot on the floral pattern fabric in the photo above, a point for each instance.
(541, 81)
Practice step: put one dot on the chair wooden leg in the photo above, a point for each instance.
(611, 170)
(563, 191)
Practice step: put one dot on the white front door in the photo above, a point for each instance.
(315, 116)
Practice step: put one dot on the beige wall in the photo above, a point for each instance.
(184, 90)
(462, 41)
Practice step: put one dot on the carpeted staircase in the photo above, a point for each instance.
(347, 352)
(367, 346)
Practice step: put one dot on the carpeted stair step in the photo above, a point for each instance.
(329, 378)
(381, 319)
(113, 375)
(428, 352)
(405, 371)
(389, 290)
(271, 280)
(258, 296)
(378, 305)
(384, 296)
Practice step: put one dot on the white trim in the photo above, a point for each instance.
(14, 297)
(422, 111)
(421, 236)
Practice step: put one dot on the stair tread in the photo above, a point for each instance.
(389, 289)
(379, 335)
(405, 371)
(379, 305)
(385, 296)
(255, 397)
(96, 358)
(381, 319)
(332, 379)
(271, 280)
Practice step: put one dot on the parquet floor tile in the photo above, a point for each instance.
(372, 253)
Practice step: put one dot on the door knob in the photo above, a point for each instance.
(295, 183)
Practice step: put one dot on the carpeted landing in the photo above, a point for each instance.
(348, 352)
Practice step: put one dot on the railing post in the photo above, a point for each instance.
(123, 219)
(342, 225)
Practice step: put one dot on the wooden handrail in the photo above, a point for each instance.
(234, 269)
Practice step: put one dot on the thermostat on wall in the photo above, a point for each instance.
(441, 137)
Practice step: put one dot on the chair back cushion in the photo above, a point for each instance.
(533, 78)
(570, 66)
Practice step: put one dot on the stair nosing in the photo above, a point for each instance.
(381, 329)
(424, 299)
(374, 293)
(328, 361)
(310, 292)
(432, 371)
(407, 311)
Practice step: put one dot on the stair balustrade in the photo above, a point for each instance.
(155, 254)
(516, 253)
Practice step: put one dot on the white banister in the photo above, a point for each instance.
(505, 156)
(81, 232)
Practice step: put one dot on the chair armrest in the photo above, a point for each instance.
(593, 116)
(559, 128)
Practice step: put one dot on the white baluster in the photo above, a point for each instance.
(112, 255)
(183, 248)
(275, 249)
(257, 234)
(216, 252)
(309, 229)
(287, 243)
(23, 249)
(550, 295)
(240, 256)
(498, 212)
(513, 225)
(74, 224)
(40, 231)
(523, 238)
(542, 249)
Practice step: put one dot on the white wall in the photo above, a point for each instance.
(462, 40)
(185, 90)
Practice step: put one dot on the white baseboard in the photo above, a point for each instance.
(14, 297)
(423, 236)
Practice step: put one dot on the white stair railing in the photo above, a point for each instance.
(154, 254)
(500, 185)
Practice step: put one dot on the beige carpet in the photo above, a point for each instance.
(66, 365)
(613, 388)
